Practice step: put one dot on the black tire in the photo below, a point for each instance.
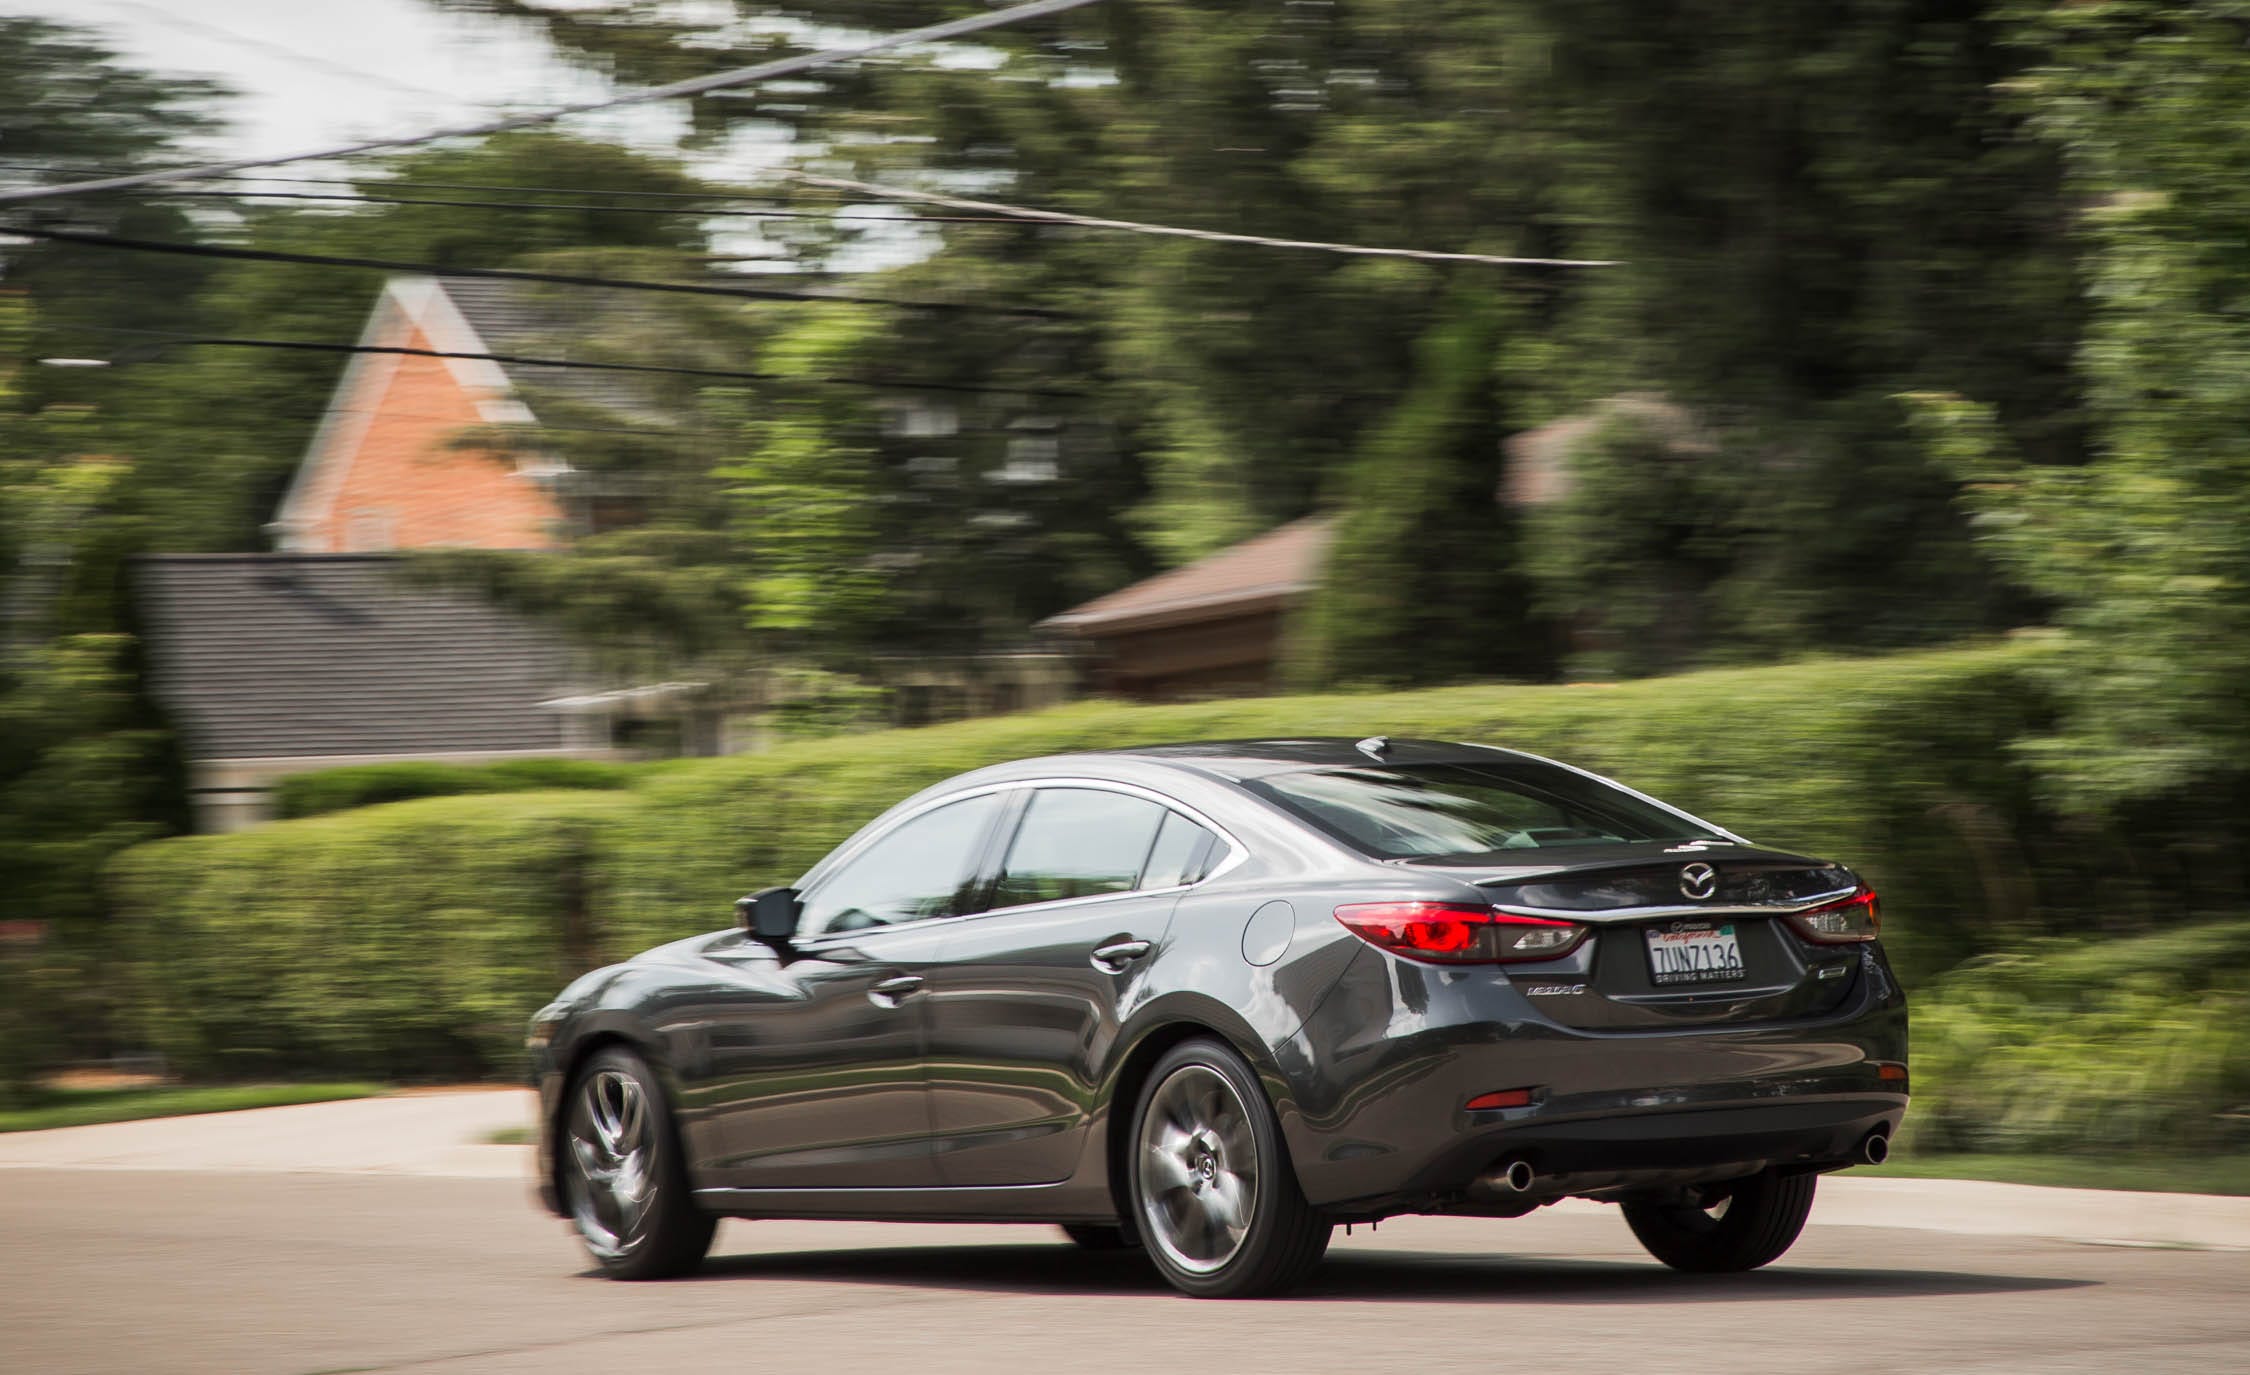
(1726, 1229)
(624, 1184)
(1217, 1203)
(1094, 1236)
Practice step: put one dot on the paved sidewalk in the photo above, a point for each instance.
(438, 1134)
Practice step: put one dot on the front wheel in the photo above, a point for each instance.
(1724, 1228)
(623, 1179)
(1216, 1201)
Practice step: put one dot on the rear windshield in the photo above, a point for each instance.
(1426, 811)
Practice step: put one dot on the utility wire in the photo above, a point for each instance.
(740, 76)
(376, 182)
(519, 360)
(695, 211)
(505, 274)
(1174, 231)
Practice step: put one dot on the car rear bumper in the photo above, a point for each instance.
(1379, 1122)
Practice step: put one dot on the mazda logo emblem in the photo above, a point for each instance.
(1699, 881)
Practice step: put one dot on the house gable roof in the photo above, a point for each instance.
(1262, 572)
(265, 656)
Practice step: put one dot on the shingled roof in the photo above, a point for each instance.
(1264, 571)
(265, 656)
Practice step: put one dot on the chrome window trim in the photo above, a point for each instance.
(1236, 854)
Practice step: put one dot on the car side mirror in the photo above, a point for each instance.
(770, 914)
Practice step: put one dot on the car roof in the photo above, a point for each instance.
(1240, 759)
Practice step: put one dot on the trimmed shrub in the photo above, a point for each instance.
(2119, 1044)
(401, 942)
(364, 785)
(413, 940)
(1896, 765)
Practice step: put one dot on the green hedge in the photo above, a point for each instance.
(365, 785)
(411, 940)
(401, 942)
(2113, 1044)
(1896, 765)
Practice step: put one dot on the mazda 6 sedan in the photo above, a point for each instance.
(1211, 1000)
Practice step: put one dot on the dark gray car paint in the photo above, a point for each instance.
(991, 1091)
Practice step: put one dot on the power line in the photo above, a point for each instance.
(741, 76)
(505, 274)
(376, 182)
(520, 360)
(689, 210)
(1174, 231)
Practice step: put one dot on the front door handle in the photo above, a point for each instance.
(891, 992)
(1113, 957)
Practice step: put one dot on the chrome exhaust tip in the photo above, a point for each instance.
(1876, 1148)
(1516, 1177)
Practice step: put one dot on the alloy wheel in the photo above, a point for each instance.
(1197, 1164)
(611, 1141)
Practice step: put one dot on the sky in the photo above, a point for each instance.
(310, 74)
(315, 72)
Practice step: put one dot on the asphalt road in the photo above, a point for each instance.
(139, 1271)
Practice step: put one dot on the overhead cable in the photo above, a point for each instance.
(509, 274)
(1174, 231)
(740, 76)
(520, 360)
(692, 211)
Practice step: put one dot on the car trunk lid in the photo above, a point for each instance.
(1684, 934)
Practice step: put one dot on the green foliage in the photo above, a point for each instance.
(410, 941)
(2111, 1044)
(2146, 550)
(416, 938)
(1630, 555)
(364, 785)
(1420, 584)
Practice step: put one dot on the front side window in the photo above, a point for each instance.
(1430, 811)
(921, 868)
(1075, 843)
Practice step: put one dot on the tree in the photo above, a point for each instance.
(2145, 550)
(1420, 582)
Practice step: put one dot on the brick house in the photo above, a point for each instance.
(384, 471)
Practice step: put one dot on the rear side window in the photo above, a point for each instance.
(1182, 854)
(1075, 843)
(1429, 811)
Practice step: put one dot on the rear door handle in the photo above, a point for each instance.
(1113, 957)
(891, 992)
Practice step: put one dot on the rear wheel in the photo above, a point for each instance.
(1215, 1200)
(623, 1179)
(1724, 1228)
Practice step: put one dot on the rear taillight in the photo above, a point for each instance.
(1443, 933)
(1857, 918)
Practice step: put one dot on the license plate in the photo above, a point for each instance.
(1694, 954)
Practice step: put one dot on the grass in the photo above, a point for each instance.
(74, 1107)
(2215, 1174)
(509, 1136)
